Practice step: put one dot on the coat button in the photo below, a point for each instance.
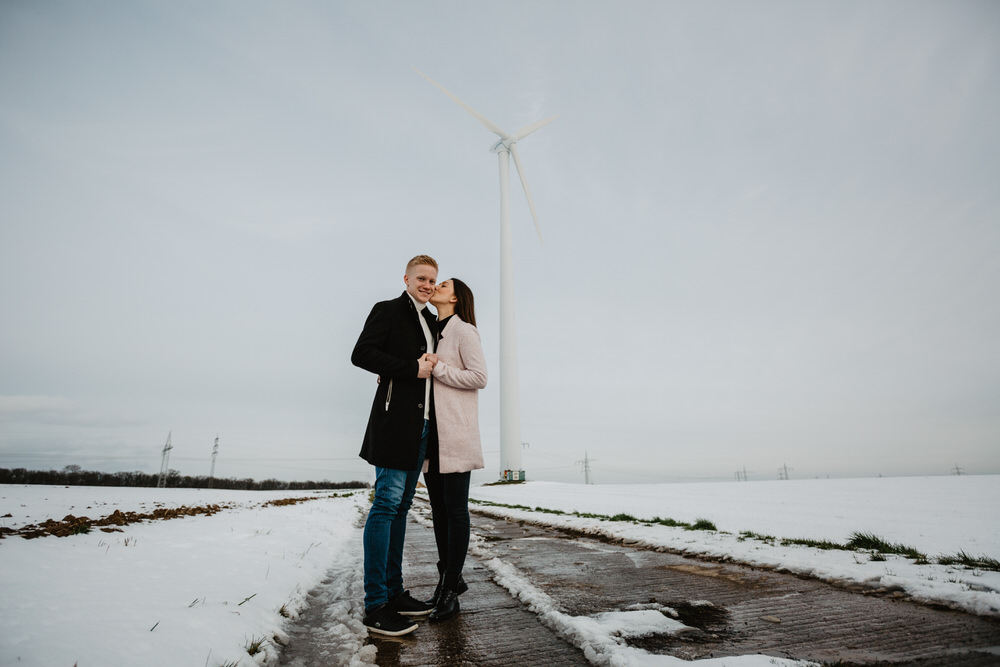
(423, 348)
(420, 405)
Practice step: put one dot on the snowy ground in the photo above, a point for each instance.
(193, 591)
(935, 515)
(203, 589)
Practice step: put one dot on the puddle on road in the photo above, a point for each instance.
(714, 571)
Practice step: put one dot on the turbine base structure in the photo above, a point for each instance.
(512, 476)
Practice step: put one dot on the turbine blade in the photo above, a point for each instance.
(528, 129)
(527, 192)
(490, 125)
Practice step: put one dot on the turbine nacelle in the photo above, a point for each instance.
(502, 145)
(507, 141)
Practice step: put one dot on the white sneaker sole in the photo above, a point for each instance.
(391, 633)
(416, 613)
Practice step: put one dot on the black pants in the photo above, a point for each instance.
(449, 495)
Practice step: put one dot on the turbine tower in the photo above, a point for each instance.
(510, 409)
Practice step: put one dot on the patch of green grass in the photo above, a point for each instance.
(872, 542)
(792, 541)
(750, 535)
(700, 524)
(490, 503)
(866, 541)
(962, 558)
(255, 645)
(671, 523)
(826, 545)
(910, 552)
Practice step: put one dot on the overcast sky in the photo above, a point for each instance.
(771, 230)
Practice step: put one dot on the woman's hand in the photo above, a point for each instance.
(425, 366)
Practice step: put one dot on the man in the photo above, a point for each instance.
(401, 434)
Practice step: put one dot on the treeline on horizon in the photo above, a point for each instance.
(75, 476)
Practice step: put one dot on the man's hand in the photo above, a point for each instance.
(433, 358)
(424, 367)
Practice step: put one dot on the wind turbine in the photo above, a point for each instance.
(510, 409)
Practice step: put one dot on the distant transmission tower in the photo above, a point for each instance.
(957, 470)
(215, 454)
(585, 466)
(741, 475)
(165, 463)
(783, 472)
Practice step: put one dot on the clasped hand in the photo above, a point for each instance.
(425, 365)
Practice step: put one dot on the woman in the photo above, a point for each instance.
(459, 373)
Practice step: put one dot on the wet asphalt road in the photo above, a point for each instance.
(751, 611)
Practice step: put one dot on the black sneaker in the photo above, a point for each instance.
(405, 605)
(383, 620)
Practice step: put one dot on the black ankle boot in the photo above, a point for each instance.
(447, 606)
(437, 591)
(460, 588)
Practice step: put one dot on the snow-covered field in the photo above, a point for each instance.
(192, 591)
(201, 590)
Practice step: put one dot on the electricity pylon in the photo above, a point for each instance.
(165, 463)
(585, 466)
(215, 453)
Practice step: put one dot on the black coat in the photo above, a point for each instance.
(389, 346)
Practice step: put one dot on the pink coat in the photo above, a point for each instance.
(458, 376)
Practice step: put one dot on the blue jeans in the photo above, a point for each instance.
(385, 529)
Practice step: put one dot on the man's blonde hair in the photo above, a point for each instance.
(421, 259)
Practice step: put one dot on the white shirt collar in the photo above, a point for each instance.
(420, 306)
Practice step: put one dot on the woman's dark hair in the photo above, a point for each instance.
(465, 307)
